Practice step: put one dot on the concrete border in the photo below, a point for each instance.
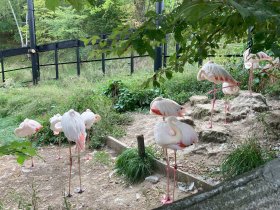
(182, 176)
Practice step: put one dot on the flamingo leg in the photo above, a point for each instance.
(175, 169)
(250, 80)
(167, 198)
(32, 162)
(80, 190)
(69, 194)
(226, 108)
(213, 105)
(88, 157)
(59, 148)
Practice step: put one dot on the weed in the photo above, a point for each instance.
(103, 158)
(133, 167)
(245, 158)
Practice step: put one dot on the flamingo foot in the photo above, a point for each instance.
(166, 200)
(88, 157)
(210, 126)
(58, 157)
(79, 190)
(68, 195)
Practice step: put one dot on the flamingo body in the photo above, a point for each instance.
(55, 124)
(90, 118)
(166, 107)
(27, 128)
(228, 89)
(253, 60)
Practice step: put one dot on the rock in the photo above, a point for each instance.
(273, 119)
(246, 102)
(185, 187)
(137, 196)
(187, 120)
(201, 110)
(152, 179)
(215, 135)
(199, 100)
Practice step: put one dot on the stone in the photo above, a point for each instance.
(247, 102)
(185, 187)
(201, 110)
(152, 179)
(216, 135)
(187, 120)
(273, 119)
(199, 100)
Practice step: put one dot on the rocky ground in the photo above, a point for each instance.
(249, 117)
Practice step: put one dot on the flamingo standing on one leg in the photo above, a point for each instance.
(228, 89)
(89, 119)
(217, 74)
(26, 129)
(74, 129)
(55, 126)
(251, 62)
(166, 107)
(175, 135)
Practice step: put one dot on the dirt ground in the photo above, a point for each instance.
(45, 185)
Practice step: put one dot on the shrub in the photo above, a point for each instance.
(245, 158)
(133, 167)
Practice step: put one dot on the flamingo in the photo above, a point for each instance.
(55, 126)
(175, 135)
(26, 129)
(252, 61)
(166, 107)
(228, 90)
(217, 74)
(89, 119)
(274, 64)
(74, 129)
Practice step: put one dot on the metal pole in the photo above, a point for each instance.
(56, 62)
(132, 63)
(250, 37)
(32, 35)
(165, 52)
(141, 145)
(103, 56)
(158, 50)
(2, 67)
(78, 60)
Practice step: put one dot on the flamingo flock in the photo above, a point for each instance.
(170, 133)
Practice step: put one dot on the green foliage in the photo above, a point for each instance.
(22, 150)
(134, 168)
(246, 157)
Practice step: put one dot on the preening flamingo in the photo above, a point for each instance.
(74, 129)
(228, 89)
(55, 126)
(26, 129)
(175, 135)
(217, 74)
(166, 107)
(251, 62)
(89, 119)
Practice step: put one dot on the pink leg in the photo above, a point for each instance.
(226, 108)
(250, 80)
(213, 105)
(59, 149)
(32, 162)
(69, 194)
(88, 157)
(79, 190)
(167, 198)
(175, 169)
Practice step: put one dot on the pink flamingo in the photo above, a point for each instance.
(89, 119)
(252, 61)
(228, 90)
(26, 129)
(74, 129)
(217, 74)
(55, 126)
(166, 107)
(175, 135)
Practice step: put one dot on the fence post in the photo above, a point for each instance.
(56, 62)
(177, 50)
(38, 66)
(141, 146)
(165, 52)
(103, 56)
(2, 67)
(131, 62)
(158, 50)
(78, 59)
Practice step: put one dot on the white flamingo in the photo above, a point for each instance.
(73, 127)
(166, 107)
(26, 129)
(55, 126)
(89, 119)
(175, 135)
(217, 74)
(251, 62)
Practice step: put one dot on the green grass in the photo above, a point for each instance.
(245, 158)
(102, 157)
(133, 167)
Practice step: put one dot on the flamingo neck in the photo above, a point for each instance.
(176, 138)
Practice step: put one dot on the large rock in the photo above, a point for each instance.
(246, 102)
(199, 100)
(187, 120)
(273, 119)
(216, 135)
(202, 110)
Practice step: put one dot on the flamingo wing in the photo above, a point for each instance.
(163, 134)
(166, 107)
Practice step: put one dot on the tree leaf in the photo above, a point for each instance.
(52, 4)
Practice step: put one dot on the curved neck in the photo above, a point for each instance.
(178, 134)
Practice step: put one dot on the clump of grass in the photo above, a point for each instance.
(246, 157)
(102, 157)
(133, 167)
